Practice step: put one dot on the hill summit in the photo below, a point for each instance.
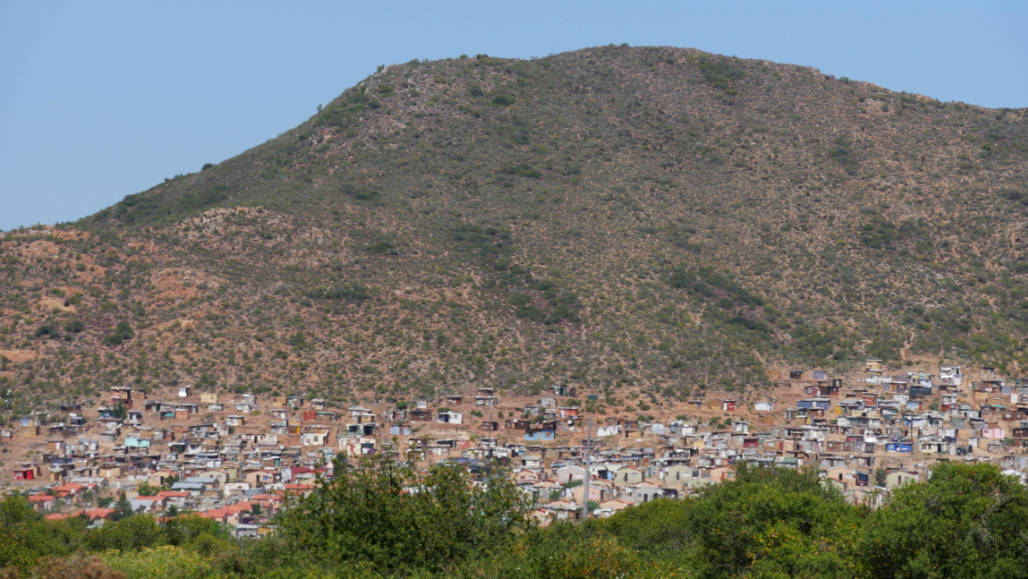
(647, 220)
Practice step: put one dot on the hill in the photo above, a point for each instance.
(640, 221)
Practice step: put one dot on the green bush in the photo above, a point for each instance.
(122, 333)
(354, 291)
(544, 301)
(721, 72)
(163, 561)
(878, 233)
(842, 153)
(48, 331)
(74, 326)
(521, 171)
(487, 241)
(359, 192)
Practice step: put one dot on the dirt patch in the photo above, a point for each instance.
(179, 324)
(178, 284)
(19, 356)
(51, 304)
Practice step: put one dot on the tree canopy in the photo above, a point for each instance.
(383, 515)
(378, 517)
(965, 521)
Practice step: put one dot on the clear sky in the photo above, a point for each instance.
(103, 99)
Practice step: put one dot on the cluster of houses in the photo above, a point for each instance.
(234, 458)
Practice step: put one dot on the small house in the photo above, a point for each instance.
(450, 417)
(629, 475)
(485, 400)
(570, 472)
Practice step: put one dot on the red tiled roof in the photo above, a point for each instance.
(239, 507)
(222, 513)
(213, 513)
(92, 514)
(99, 513)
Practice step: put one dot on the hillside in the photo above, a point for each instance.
(650, 221)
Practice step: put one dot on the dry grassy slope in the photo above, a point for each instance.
(650, 217)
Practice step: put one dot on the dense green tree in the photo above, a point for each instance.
(965, 521)
(659, 530)
(119, 411)
(130, 533)
(17, 532)
(566, 550)
(380, 514)
(772, 522)
(383, 518)
(25, 536)
(122, 508)
(881, 476)
(188, 530)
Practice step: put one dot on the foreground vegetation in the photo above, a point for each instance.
(383, 519)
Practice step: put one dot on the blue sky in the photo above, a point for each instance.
(105, 99)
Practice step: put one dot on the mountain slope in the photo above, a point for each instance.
(650, 220)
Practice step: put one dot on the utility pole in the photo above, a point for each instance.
(585, 462)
